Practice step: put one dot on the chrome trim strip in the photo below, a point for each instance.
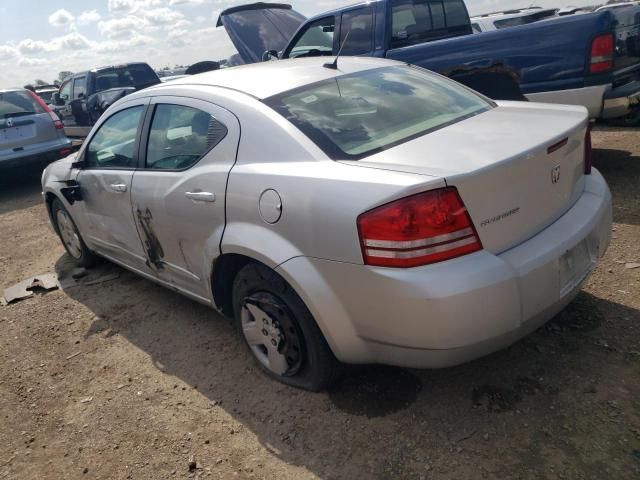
(419, 243)
(422, 252)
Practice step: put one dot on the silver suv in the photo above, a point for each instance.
(30, 133)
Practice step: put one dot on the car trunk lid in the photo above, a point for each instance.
(258, 27)
(517, 167)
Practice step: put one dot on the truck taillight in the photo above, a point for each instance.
(588, 152)
(602, 49)
(418, 230)
(56, 120)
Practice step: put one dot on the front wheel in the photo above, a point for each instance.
(69, 235)
(280, 331)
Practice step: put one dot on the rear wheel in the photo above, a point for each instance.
(69, 235)
(280, 331)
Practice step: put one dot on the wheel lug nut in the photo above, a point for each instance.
(264, 332)
(273, 342)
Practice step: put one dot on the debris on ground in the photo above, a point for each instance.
(632, 265)
(26, 288)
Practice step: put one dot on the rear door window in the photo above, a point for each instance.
(356, 32)
(113, 146)
(180, 136)
(18, 104)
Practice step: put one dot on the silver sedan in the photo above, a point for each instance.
(373, 213)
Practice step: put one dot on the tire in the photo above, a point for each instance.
(70, 236)
(266, 309)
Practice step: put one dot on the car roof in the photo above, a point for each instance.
(262, 80)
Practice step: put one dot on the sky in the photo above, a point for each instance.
(39, 38)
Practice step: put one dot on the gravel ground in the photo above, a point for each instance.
(124, 379)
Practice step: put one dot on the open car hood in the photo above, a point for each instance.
(258, 27)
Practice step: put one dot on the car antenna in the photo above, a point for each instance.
(334, 65)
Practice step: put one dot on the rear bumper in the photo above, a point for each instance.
(621, 101)
(449, 313)
(33, 156)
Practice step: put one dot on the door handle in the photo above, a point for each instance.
(201, 196)
(118, 187)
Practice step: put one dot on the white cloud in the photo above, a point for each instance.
(131, 5)
(162, 16)
(7, 52)
(28, 46)
(121, 27)
(186, 2)
(30, 62)
(72, 41)
(61, 18)
(90, 16)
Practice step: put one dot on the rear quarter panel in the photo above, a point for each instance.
(321, 198)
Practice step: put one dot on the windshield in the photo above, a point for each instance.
(138, 76)
(353, 116)
(17, 104)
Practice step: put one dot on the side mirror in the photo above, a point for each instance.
(81, 95)
(57, 100)
(269, 55)
(79, 163)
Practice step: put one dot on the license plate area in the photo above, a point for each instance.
(576, 264)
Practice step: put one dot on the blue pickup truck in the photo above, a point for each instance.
(591, 59)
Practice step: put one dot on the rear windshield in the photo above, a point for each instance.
(353, 116)
(16, 104)
(47, 96)
(139, 76)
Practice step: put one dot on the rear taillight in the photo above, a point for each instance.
(602, 49)
(56, 121)
(588, 152)
(425, 228)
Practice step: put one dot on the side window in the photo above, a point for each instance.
(476, 28)
(65, 91)
(79, 87)
(357, 24)
(180, 136)
(456, 13)
(316, 40)
(414, 21)
(113, 145)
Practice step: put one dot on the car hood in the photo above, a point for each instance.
(258, 27)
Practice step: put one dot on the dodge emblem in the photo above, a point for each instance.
(555, 174)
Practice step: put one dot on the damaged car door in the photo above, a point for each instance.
(107, 165)
(178, 194)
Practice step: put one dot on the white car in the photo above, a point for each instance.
(362, 211)
(510, 18)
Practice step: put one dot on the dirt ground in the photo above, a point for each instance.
(125, 379)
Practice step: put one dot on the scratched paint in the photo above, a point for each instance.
(154, 250)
